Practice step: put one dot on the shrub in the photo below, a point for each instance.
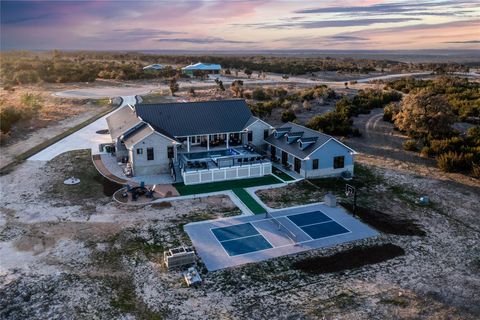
(331, 123)
(426, 152)
(410, 145)
(455, 162)
(476, 170)
(10, 116)
(390, 111)
(307, 106)
(260, 94)
(288, 115)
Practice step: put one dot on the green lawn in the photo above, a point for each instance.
(249, 201)
(282, 175)
(224, 185)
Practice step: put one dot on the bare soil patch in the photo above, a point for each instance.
(356, 257)
(388, 223)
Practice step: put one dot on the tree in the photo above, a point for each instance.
(237, 88)
(248, 72)
(288, 115)
(174, 87)
(191, 91)
(425, 114)
(219, 84)
(260, 94)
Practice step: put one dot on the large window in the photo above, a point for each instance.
(338, 162)
(149, 153)
(250, 136)
(170, 152)
(315, 164)
(266, 133)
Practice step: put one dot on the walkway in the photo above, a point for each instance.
(85, 138)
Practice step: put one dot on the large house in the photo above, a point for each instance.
(310, 153)
(204, 68)
(218, 140)
(204, 141)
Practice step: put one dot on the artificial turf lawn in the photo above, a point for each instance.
(185, 190)
(282, 175)
(249, 201)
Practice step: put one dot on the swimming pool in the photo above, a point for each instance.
(211, 154)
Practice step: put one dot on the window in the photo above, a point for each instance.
(149, 153)
(139, 151)
(338, 162)
(265, 133)
(170, 152)
(250, 136)
(315, 164)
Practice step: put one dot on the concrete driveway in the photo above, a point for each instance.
(85, 138)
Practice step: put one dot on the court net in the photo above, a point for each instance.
(281, 227)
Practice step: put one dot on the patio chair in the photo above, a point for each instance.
(252, 159)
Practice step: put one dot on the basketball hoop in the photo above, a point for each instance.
(349, 192)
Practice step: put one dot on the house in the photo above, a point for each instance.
(154, 67)
(201, 141)
(310, 153)
(202, 68)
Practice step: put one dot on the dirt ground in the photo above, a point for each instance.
(73, 252)
(55, 117)
(98, 259)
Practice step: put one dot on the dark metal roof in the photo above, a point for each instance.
(137, 135)
(121, 121)
(196, 118)
(317, 139)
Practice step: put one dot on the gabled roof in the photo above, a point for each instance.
(155, 66)
(203, 66)
(310, 139)
(121, 121)
(196, 118)
(137, 135)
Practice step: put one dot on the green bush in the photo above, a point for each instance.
(410, 145)
(476, 170)
(390, 111)
(288, 115)
(260, 94)
(332, 123)
(455, 162)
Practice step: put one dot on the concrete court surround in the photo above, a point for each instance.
(215, 257)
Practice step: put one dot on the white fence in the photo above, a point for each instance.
(228, 173)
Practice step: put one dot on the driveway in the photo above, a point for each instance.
(85, 138)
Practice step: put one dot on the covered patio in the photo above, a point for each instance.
(196, 143)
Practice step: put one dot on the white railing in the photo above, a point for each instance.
(227, 173)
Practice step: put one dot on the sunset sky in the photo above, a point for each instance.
(240, 25)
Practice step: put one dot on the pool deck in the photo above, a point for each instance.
(215, 257)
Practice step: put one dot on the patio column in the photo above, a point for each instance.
(188, 144)
(228, 138)
(208, 142)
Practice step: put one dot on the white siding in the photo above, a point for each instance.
(257, 129)
(160, 162)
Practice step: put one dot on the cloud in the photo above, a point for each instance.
(206, 40)
(388, 8)
(465, 42)
(45, 16)
(348, 38)
(330, 23)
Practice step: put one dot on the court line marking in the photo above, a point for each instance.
(238, 224)
(255, 235)
(240, 254)
(337, 234)
(286, 245)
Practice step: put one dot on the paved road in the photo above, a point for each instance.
(85, 138)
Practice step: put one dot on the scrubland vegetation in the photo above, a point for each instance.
(427, 114)
(22, 67)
